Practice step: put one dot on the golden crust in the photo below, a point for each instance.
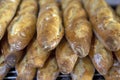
(77, 28)
(65, 57)
(22, 28)
(24, 71)
(114, 72)
(101, 57)
(7, 11)
(84, 70)
(36, 56)
(49, 71)
(44, 2)
(105, 24)
(49, 26)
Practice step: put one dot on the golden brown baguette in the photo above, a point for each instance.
(24, 71)
(77, 28)
(50, 70)
(114, 72)
(7, 11)
(22, 28)
(118, 10)
(84, 70)
(36, 56)
(49, 25)
(8, 56)
(4, 51)
(106, 26)
(65, 57)
(101, 57)
(6, 65)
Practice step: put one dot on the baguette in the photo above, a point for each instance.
(84, 70)
(49, 71)
(36, 56)
(101, 57)
(22, 28)
(8, 56)
(114, 72)
(66, 58)
(7, 11)
(77, 28)
(49, 25)
(24, 71)
(106, 25)
(4, 65)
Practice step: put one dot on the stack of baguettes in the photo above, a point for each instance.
(72, 37)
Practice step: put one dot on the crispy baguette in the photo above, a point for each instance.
(49, 71)
(5, 52)
(84, 70)
(7, 11)
(106, 26)
(24, 71)
(101, 57)
(77, 28)
(8, 56)
(114, 72)
(22, 28)
(36, 56)
(65, 57)
(49, 25)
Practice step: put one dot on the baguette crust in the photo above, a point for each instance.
(49, 71)
(22, 28)
(49, 25)
(101, 57)
(7, 11)
(36, 56)
(24, 71)
(114, 72)
(77, 28)
(84, 70)
(5, 52)
(105, 23)
(65, 57)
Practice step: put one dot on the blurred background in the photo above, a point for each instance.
(113, 2)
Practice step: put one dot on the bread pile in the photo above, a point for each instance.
(72, 37)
